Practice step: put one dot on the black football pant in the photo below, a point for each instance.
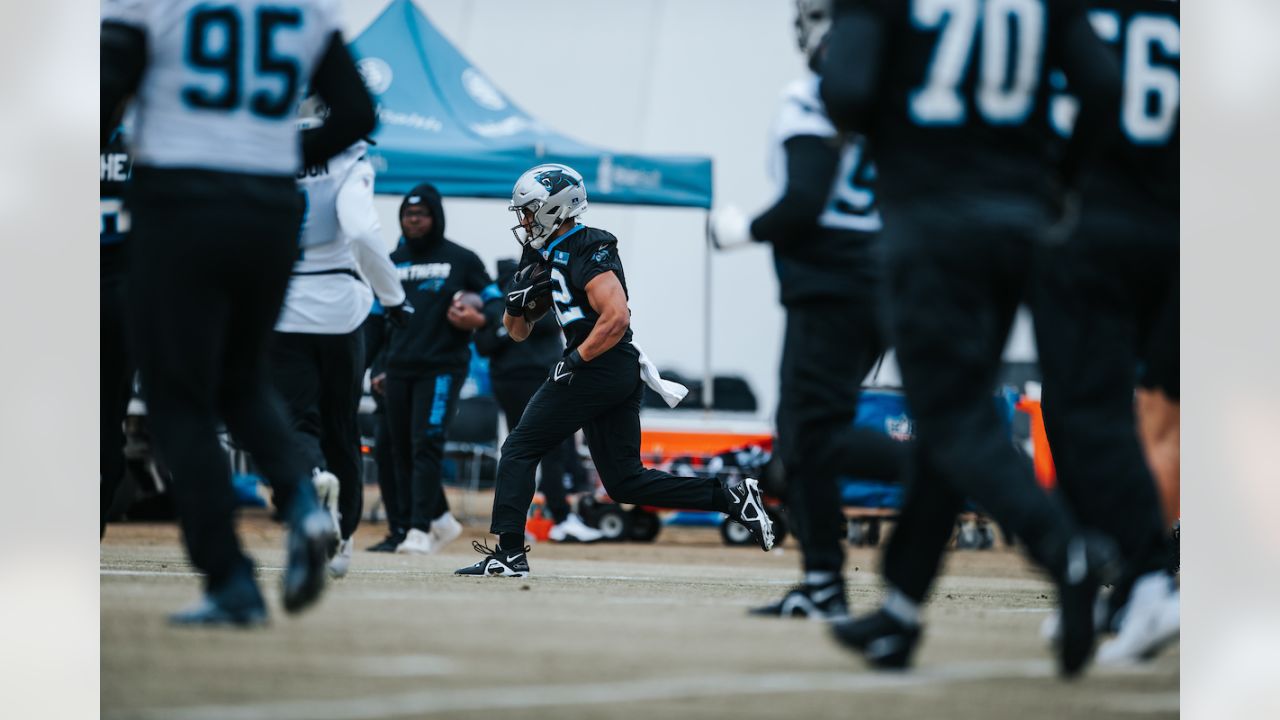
(418, 411)
(115, 377)
(211, 255)
(319, 377)
(952, 295)
(1099, 299)
(829, 347)
(513, 395)
(604, 400)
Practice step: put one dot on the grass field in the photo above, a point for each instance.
(600, 631)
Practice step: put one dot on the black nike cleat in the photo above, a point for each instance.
(238, 603)
(1092, 561)
(814, 602)
(882, 639)
(746, 505)
(497, 562)
(311, 535)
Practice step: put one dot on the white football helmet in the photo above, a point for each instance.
(813, 22)
(547, 194)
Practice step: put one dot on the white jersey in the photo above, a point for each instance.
(222, 82)
(851, 204)
(341, 237)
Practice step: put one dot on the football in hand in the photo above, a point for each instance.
(469, 299)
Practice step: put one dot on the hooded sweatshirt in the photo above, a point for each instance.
(431, 270)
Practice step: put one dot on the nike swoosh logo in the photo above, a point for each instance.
(512, 558)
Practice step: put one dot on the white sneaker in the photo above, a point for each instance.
(327, 489)
(342, 560)
(417, 542)
(574, 529)
(444, 530)
(1152, 620)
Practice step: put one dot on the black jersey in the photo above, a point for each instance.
(576, 258)
(114, 168)
(1139, 160)
(952, 93)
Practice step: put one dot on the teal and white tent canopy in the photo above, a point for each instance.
(442, 121)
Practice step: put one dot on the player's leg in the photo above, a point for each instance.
(1087, 321)
(554, 412)
(953, 302)
(613, 435)
(513, 394)
(295, 371)
(1159, 412)
(828, 348)
(258, 277)
(342, 371)
(179, 313)
(116, 377)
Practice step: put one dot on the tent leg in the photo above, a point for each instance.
(708, 380)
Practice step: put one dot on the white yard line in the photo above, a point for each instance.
(526, 697)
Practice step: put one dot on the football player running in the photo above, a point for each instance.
(967, 185)
(216, 214)
(824, 229)
(596, 386)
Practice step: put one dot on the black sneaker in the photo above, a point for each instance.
(882, 639)
(311, 534)
(389, 543)
(497, 562)
(237, 603)
(746, 505)
(815, 602)
(1092, 561)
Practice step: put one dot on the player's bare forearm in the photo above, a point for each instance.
(606, 295)
(518, 328)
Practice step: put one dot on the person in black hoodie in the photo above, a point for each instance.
(516, 371)
(426, 363)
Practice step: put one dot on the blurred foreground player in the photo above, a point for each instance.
(950, 94)
(116, 369)
(216, 213)
(1102, 299)
(317, 353)
(598, 384)
(824, 229)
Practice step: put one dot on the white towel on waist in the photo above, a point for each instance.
(672, 392)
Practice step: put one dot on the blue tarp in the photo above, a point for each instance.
(442, 121)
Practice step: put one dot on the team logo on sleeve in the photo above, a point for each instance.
(601, 255)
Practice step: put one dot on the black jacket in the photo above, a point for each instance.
(432, 271)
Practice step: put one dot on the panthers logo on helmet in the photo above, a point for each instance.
(555, 180)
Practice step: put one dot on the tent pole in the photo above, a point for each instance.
(708, 381)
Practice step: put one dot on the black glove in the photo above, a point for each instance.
(529, 282)
(562, 373)
(398, 316)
